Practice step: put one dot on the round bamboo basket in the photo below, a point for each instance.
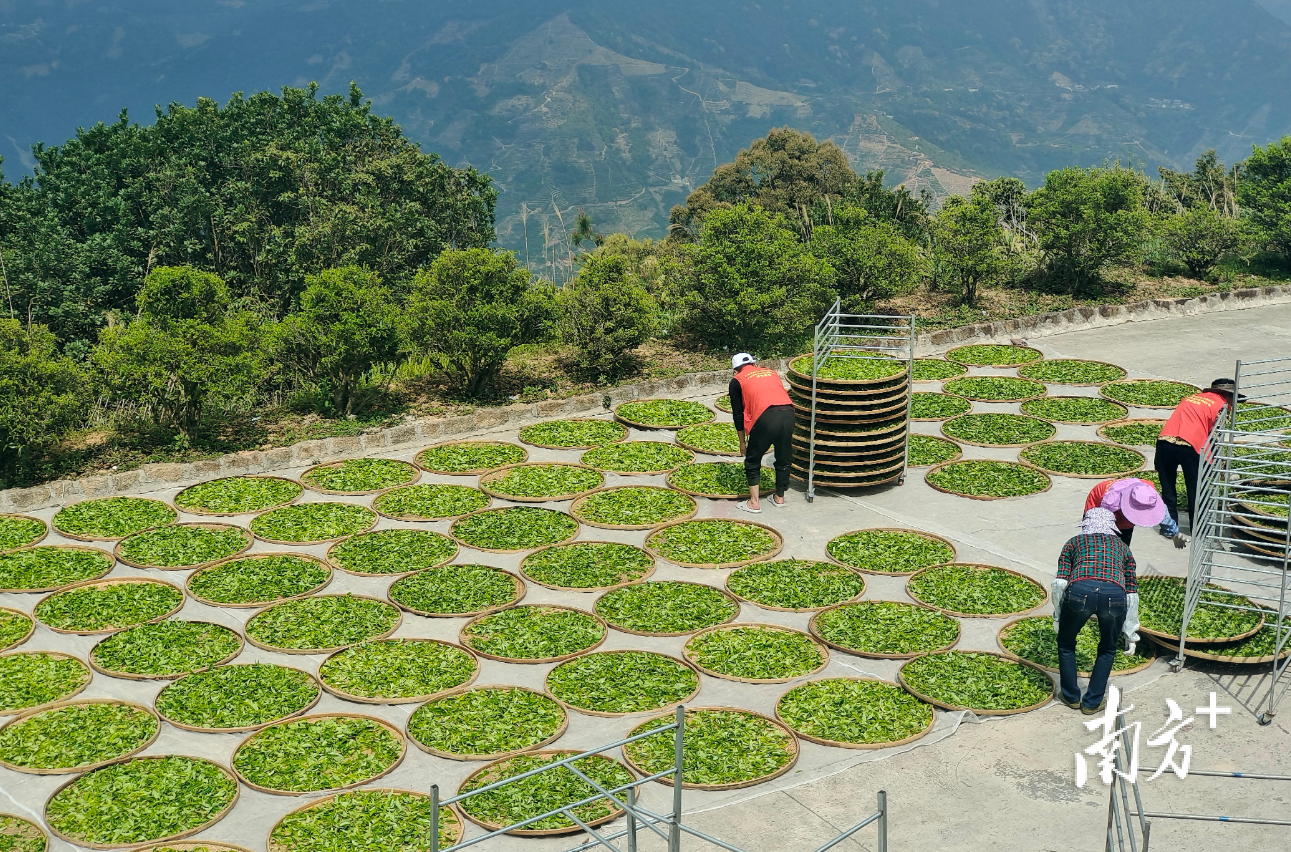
(520, 591)
(194, 846)
(864, 396)
(156, 841)
(607, 715)
(82, 537)
(448, 755)
(386, 726)
(113, 581)
(622, 437)
(811, 609)
(935, 486)
(573, 535)
(649, 571)
(971, 442)
(31, 627)
(1217, 655)
(876, 432)
(423, 518)
(813, 627)
(31, 832)
(1124, 411)
(932, 720)
(331, 540)
(463, 635)
(708, 452)
(959, 454)
(1044, 600)
(1142, 460)
(574, 507)
(945, 706)
(244, 729)
(711, 495)
(949, 357)
(414, 473)
(487, 479)
(843, 458)
(128, 676)
(799, 378)
(1214, 587)
(1129, 421)
(662, 470)
(1102, 391)
(999, 641)
(336, 563)
(1041, 395)
(321, 563)
(89, 675)
(33, 542)
(662, 530)
(735, 610)
(692, 657)
(194, 510)
(412, 699)
(89, 767)
(1022, 368)
(793, 751)
(635, 425)
(927, 535)
(473, 471)
(274, 846)
(845, 481)
(247, 541)
(487, 771)
(333, 649)
(107, 556)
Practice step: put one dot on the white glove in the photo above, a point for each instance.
(1130, 628)
(1057, 591)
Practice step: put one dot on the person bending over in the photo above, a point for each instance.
(1182, 438)
(1134, 502)
(763, 416)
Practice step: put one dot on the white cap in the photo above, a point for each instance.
(742, 359)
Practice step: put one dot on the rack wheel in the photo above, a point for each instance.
(1265, 718)
(1176, 666)
(901, 481)
(811, 498)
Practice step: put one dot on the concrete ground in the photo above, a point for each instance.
(1001, 784)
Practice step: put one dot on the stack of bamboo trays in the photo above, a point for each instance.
(861, 426)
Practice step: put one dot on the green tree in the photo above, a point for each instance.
(186, 352)
(751, 284)
(606, 314)
(895, 206)
(871, 259)
(471, 308)
(787, 172)
(1265, 193)
(1086, 220)
(347, 323)
(42, 395)
(968, 241)
(1200, 237)
(1209, 185)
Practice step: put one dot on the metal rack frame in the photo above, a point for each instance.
(1236, 456)
(840, 335)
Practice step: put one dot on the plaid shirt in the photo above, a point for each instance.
(1098, 557)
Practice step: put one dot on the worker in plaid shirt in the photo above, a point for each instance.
(1095, 578)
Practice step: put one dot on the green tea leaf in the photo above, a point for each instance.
(927, 405)
(795, 584)
(48, 567)
(310, 522)
(718, 438)
(1141, 434)
(240, 696)
(622, 681)
(78, 735)
(1085, 458)
(976, 681)
(322, 623)
(319, 753)
(529, 797)
(754, 652)
(430, 502)
(634, 505)
(108, 607)
(455, 590)
(664, 412)
(1035, 639)
(397, 669)
(18, 531)
(993, 388)
(14, 627)
(533, 633)
(33, 678)
(720, 747)
(112, 517)
(720, 479)
(514, 528)
(587, 565)
(183, 545)
(486, 720)
(548, 481)
(1148, 393)
(889, 551)
(869, 367)
(364, 821)
(1074, 409)
(665, 607)
(258, 579)
(713, 541)
(1161, 603)
(236, 495)
(166, 649)
(991, 355)
(463, 456)
(975, 589)
(360, 475)
(637, 457)
(886, 627)
(936, 369)
(395, 551)
(19, 835)
(998, 429)
(573, 434)
(988, 479)
(862, 712)
(926, 451)
(1071, 371)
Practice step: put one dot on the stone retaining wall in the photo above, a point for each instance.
(419, 433)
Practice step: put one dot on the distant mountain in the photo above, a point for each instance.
(620, 109)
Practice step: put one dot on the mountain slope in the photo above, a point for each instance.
(622, 108)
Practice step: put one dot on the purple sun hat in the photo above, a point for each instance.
(1136, 500)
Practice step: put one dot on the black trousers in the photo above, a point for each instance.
(1169, 458)
(774, 427)
(1126, 535)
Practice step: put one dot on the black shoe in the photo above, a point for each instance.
(1094, 711)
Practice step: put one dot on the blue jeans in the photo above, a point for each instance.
(1084, 599)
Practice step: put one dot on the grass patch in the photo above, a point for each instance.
(927, 405)
(975, 589)
(853, 711)
(1072, 371)
(587, 565)
(622, 682)
(455, 590)
(715, 438)
(364, 821)
(236, 495)
(991, 479)
(721, 747)
(108, 607)
(33, 678)
(36, 569)
(666, 607)
(886, 628)
(754, 652)
(470, 456)
(998, 429)
(1148, 393)
(994, 388)
(514, 528)
(68, 738)
(666, 413)
(634, 506)
(889, 551)
(183, 545)
(1035, 639)
(936, 369)
(236, 697)
(534, 633)
(322, 753)
(719, 479)
(360, 476)
(1083, 458)
(976, 681)
(322, 623)
(19, 531)
(990, 355)
(397, 669)
(573, 434)
(308, 523)
(1161, 601)
(396, 551)
(141, 800)
(430, 502)
(486, 721)
(529, 797)
(794, 584)
(713, 542)
(543, 481)
(925, 451)
(1074, 409)
(166, 649)
(112, 517)
(254, 580)
(637, 457)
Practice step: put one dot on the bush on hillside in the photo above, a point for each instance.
(42, 394)
(606, 314)
(871, 259)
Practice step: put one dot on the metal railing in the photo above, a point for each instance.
(840, 335)
(669, 827)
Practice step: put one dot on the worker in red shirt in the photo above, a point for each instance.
(763, 417)
(1182, 438)
(1133, 502)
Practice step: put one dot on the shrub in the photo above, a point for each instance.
(969, 244)
(871, 259)
(471, 308)
(1265, 192)
(42, 394)
(1199, 238)
(606, 314)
